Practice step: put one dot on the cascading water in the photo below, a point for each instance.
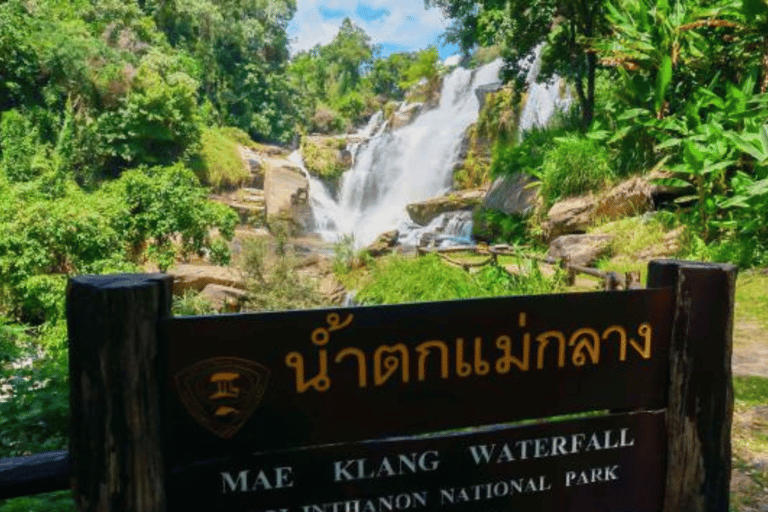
(396, 167)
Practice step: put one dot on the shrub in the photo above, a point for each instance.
(575, 165)
(157, 121)
(273, 283)
(326, 120)
(321, 157)
(352, 106)
(18, 141)
(494, 226)
(163, 202)
(218, 163)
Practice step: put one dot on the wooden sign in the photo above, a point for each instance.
(603, 463)
(280, 380)
(405, 406)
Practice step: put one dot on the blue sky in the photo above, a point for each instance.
(395, 25)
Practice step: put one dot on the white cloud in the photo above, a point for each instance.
(408, 23)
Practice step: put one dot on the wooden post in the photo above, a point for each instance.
(700, 406)
(115, 401)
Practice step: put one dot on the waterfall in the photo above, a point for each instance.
(392, 168)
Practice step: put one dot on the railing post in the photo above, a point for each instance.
(115, 364)
(700, 405)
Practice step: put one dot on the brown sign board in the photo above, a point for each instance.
(605, 463)
(279, 380)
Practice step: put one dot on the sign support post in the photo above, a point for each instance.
(700, 407)
(115, 395)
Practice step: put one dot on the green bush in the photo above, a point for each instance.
(326, 120)
(218, 162)
(575, 165)
(220, 253)
(273, 283)
(18, 141)
(398, 279)
(352, 106)
(163, 202)
(494, 226)
(47, 238)
(321, 157)
(157, 121)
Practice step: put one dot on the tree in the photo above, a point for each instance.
(349, 56)
(238, 45)
(567, 28)
(520, 26)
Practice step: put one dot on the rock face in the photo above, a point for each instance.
(582, 250)
(224, 298)
(248, 203)
(571, 215)
(286, 194)
(629, 198)
(197, 277)
(405, 115)
(384, 244)
(482, 91)
(512, 194)
(424, 212)
(253, 164)
(574, 215)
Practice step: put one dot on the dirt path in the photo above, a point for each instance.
(750, 357)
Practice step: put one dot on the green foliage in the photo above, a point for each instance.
(19, 62)
(494, 226)
(344, 254)
(750, 390)
(575, 165)
(398, 279)
(426, 66)
(499, 116)
(43, 235)
(218, 163)
(321, 157)
(59, 501)
(527, 156)
(163, 202)
(220, 252)
(327, 121)
(662, 49)
(240, 49)
(191, 303)
(352, 106)
(273, 283)
(35, 416)
(18, 141)
(484, 55)
(157, 121)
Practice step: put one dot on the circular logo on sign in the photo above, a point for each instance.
(221, 393)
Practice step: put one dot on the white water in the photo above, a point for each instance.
(394, 168)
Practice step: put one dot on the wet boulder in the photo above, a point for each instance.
(424, 212)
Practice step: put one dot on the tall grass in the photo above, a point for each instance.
(574, 166)
(399, 279)
(218, 163)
